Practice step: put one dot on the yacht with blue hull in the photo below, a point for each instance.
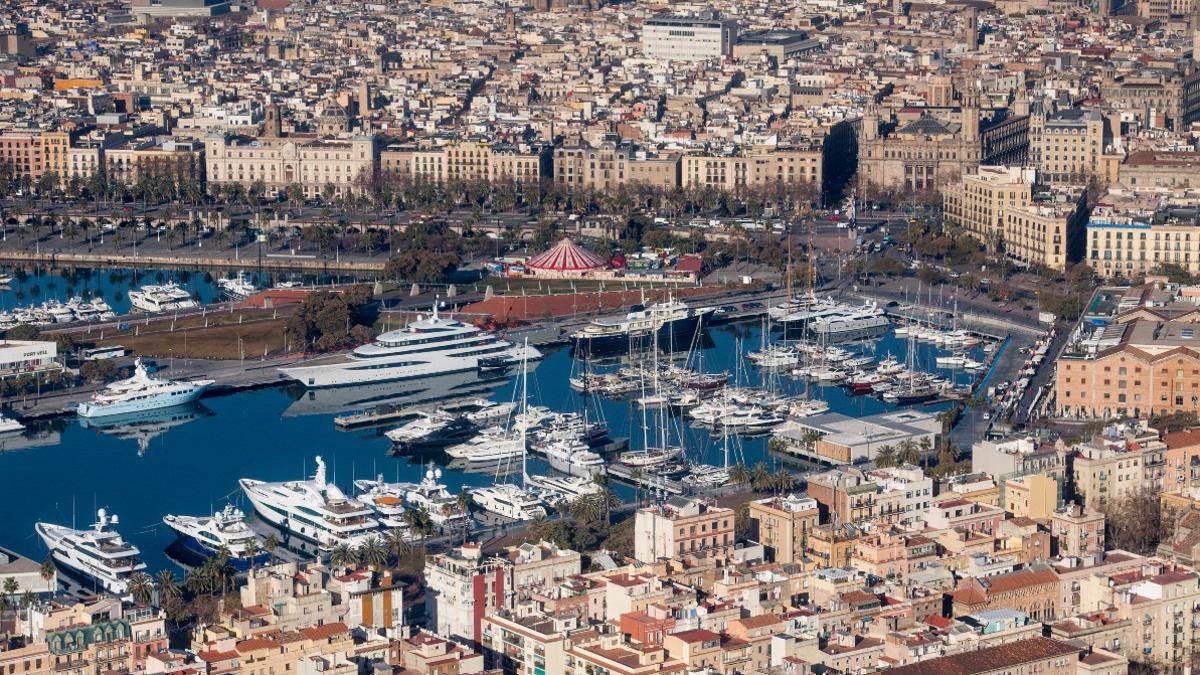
(206, 536)
(141, 393)
(673, 325)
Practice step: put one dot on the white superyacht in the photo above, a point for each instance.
(313, 509)
(430, 494)
(226, 529)
(100, 554)
(141, 392)
(424, 348)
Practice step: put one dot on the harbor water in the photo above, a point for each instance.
(188, 461)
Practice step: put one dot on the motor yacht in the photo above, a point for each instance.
(432, 430)
(493, 444)
(237, 288)
(141, 392)
(672, 325)
(425, 348)
(508, 501)
(225, 530)
(430, 495)
(99, 554)
(167, 297)
(315, 509)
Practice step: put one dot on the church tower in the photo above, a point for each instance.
(870, 120)
(970, 112)
(272, 124)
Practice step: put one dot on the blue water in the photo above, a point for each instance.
(34, 285)
(192, 468)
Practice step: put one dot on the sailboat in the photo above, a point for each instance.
(505, 499)
(651, 455)
(911, 392)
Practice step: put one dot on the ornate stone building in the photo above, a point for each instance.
(923, 154)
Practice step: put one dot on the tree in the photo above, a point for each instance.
(343, 556)
(48, 571)
(22, 332)
(397, 544)
(419, 521)
(886, 456)
(141, 587)
(738, 473)
(251, 551)
(168, 588)
(271, 543)
(1134, 522)
(374, 552)
(783, 480)
(908, 453)
(760, 478)
(99, 371)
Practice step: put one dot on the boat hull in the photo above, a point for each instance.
(672, 336)
(407, 367)
(157, 402)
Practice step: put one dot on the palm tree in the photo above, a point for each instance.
(251, 552)
(783, 480)
(925, 446)
(908, 454)
(271, 543)
(886, 456)
(738, 473)
(343, 556)
(10, 591)
(141, 587)
(48, 571)
(374, 553)
(760, 478)
(587, 508)
(397, 544)
(418, 521)
(168, 588)
(200, 579)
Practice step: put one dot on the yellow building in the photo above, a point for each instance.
(1033, 496)
(466, 161)
(783, 525)
(997, 205)
(734, 173)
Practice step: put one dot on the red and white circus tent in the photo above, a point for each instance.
(566, 259)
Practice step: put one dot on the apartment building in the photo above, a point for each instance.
(1032, 590)
(688, 38)
(1181, 473)
(1032, 496)
(782, 525)
(466, 161)
(1068, 146)
(681, 526)
(1131, 245)
(21, 151)
(462, 587)
(606, 654)
(1128, 458)
(134, 161)
(735, 173)
(1162, 604)
(1078, 531)
(528, 644)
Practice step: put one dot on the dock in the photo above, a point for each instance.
(647, 481)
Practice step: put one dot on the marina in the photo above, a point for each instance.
(288, 427)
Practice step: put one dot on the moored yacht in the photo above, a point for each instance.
(424, 348)
(509, 501)
(168, 297)
(672, 325)
(141, 392)
(226, 529)
(100, 554)
(493, 444)
(563, 489)
(314, 509)
(430, 494)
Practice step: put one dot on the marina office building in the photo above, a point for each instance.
(27, 357)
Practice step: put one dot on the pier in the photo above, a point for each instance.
(647, 481)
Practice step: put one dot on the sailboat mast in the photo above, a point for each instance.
(524, 406)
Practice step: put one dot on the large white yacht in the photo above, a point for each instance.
(852, 324)
(141, 392)
(237, 288)
(314, 509)
(493, 444)
(428, 347)
(168, 297)
(672, 325)
(509, 501)
(99, 554)
(430, 494)
(226, 529)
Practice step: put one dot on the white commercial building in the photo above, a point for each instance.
(678, 38)
(20, 357)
